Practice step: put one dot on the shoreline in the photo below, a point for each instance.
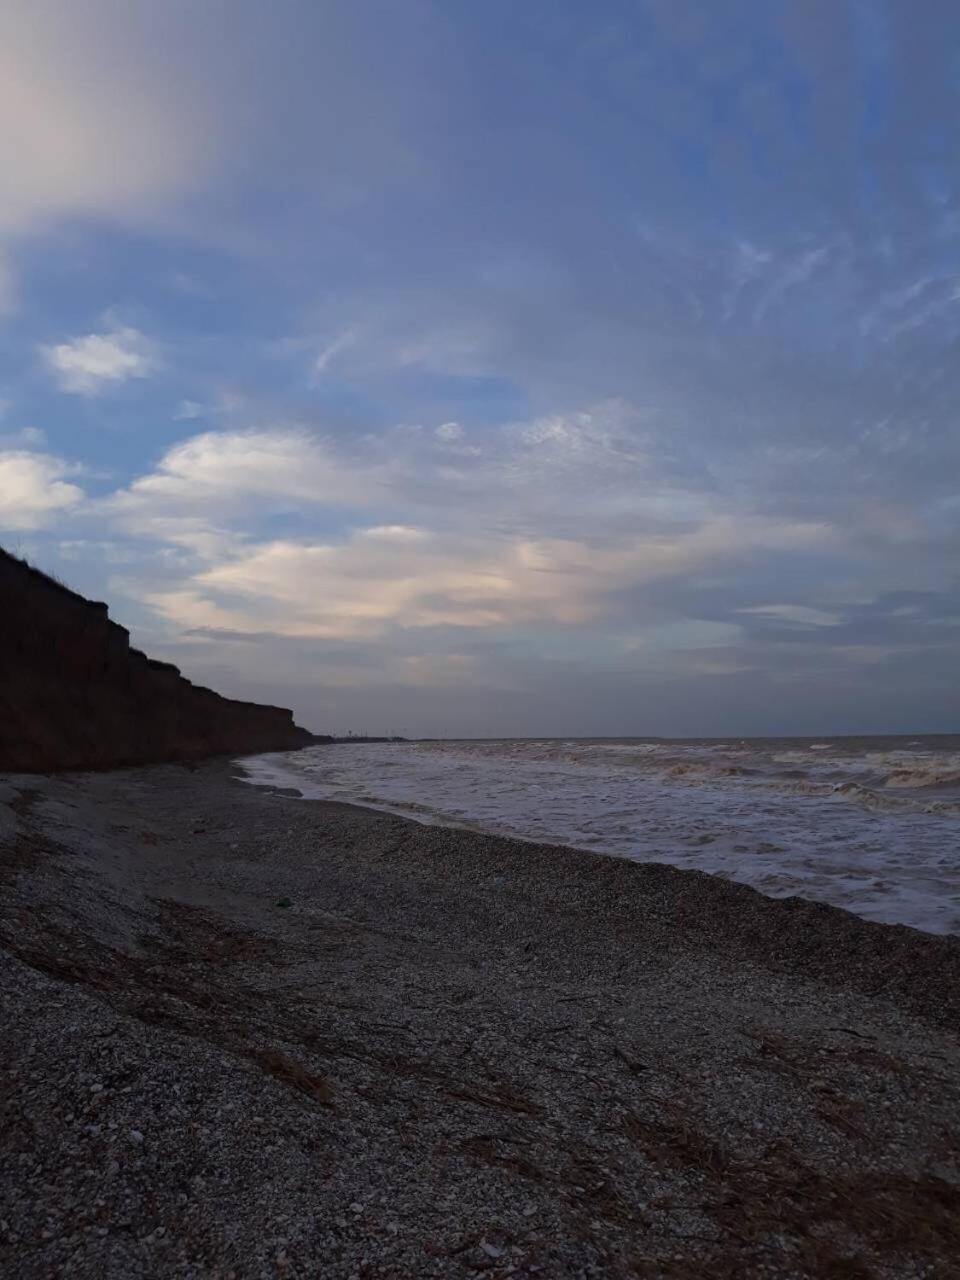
(871, 832)
(446, 1053)
(807, 937)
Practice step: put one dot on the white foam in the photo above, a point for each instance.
(831, 831)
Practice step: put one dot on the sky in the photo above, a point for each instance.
(540, 368)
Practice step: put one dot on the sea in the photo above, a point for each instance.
(871, 824)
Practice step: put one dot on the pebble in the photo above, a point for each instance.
(426, 1001)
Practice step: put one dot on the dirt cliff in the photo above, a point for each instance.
(75, 695)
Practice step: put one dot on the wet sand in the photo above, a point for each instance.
(248, 1034)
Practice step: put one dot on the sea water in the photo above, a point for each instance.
(868, 824)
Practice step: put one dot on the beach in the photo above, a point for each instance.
(870, 824)
(250, 1034)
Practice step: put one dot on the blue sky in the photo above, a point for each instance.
(540, 368)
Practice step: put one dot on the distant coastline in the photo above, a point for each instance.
(359, 737)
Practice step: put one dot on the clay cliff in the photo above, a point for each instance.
(75, 695)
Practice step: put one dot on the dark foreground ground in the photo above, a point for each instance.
(245, 1035)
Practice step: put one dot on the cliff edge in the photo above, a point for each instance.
(75, 695)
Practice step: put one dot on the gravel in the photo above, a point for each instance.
(446, 1054)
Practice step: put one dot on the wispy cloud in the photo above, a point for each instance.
(25, 438)
(800, 615)
(188, 411)
(95, 362)
(330, 352)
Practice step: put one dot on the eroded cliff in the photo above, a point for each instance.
(75, 695)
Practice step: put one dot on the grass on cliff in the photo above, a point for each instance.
(27, 563)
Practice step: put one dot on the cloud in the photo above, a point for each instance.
(95, 130)
(90, 364)
(449, 431)
(188, 410)
(27, 438)
(800, 615)
(142, 115)
(8, 291)
(648, 430)
(595, 457)
(33, 491)
(330, 352)
(597, 460)
(795, 271)
(381, 578)
(229, 472)
(555, 523)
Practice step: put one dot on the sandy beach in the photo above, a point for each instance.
(249, 1035)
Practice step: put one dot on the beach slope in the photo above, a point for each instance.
(249, 1035)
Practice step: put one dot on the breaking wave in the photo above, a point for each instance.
(869, 824)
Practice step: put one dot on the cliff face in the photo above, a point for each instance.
(74, 695)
